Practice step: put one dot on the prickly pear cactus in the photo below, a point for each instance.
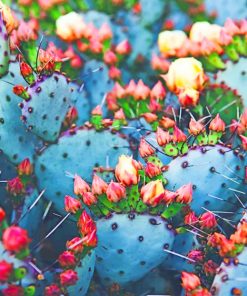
(78, 153)
(22, 142)
(50, 99)
(120, 252)
(4, 48)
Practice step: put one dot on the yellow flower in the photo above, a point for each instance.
(153, 193)
(201, 30)
(171, 41)
(126, 170)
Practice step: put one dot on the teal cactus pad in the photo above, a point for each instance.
(15, 140)
(215, 172)
(129, 246)
(77, 154)
(85, 271)
(51, 97)
(4, 48)
(235, 76)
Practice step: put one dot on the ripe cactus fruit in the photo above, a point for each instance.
(50, 99)
(129, 246)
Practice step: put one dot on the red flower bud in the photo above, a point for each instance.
(163, 137)
(150, 117)
(217, 124)
(178, 135)
(190, 281)
(190, 218)
(52, 290)
(110, 58)
(75, 245)
(208, 220)
(196, 255)
(72, 205)
(15, 239)
(152, 170)
(196, 128)
(68, 277)
(5, 270)
(184, 194)
(123, 48)
(115, 192)
(244, 141)
(86, 224)
(145, 149)
(91, 240)
(13, 290)
(26, 70)
(80, 186)
(15, 186)
(2, 215)
(97, 111)
(89, 198)
(18, 90)
(166, 122)
(25, 167)
(99, 186)
(67, 259)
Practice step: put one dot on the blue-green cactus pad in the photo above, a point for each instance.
(15, 140)
(4, 48)
(129, 246)
(51, 97)
(215, 172)
(77, 154)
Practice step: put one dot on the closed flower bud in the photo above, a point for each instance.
(2, 215)
(115, 192)
(80, 186)
(90, 240)
(170, 42)
(114, 73)
(190, 281)
(110, 57)
(25, 167)
(105, 32)
(196, 128)
(130, 88)
(97, 111)
(67, 259)
(152, 170)
(145, 149)
(184, 194)
(205, 30)
(163, 137)
(152, 193)
(123, 48)
(68, 277)
(72, 205)
(89, 198)
(119, 91)
(5, 271)
(208, 220)
(158, 92)
(169, 197)
(191, 218)
(142, 91)
(196, 255)
(244, 141)
(52, 290)
(150, 117)
(126, 170)
(217, 124)
(119, 115)
(86, 224)
(99, 186)
(15, 239)
(13, 290)
(15, 186)
(178, 135)
(75, 245)
(166, 122)
(231, 27)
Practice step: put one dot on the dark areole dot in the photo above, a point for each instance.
(194, 187)
(38, 90)
(58, 193)
(30, 109)
(185, 164)
(166, 246)
(142, 262)
(114, 226)
(121, 272)
(88, 143)
(238, 168)
(141, 238)
(153, 221)
(207, 202)
(131, 216)
(51, 95)
(8, 98)
(65, 155)
(223, 185)
(44, 116)
(120, 251)
(212, 170)
(1, 120)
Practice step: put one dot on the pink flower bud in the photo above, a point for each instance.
(189, 97)
(190, 218)
(160, 64)
(184, 194)
(105, 32)
(158, 92)
(130, 88)
(163, 137)
(15, 186)
(86, 224)
(89, 198)
(217, 124)
(52, 290)
(72, 205)
(115, 192)
(190, 281)
(169, 197)
(114, 73)
(91, 240)
(5, 270)
(119, 91)
(123, 48)
(99, 186)
(150, 117)
(145, 149)
(142, 91)
(196, 255)
(196, 128)
(244, 141)
(152, 170)
(67, 259)
(13, 290)
(119, 115)
(110, 58)
(25, 167)
(75, 245)
(15, 239)
(208, 220)
(97, 110)
(80, 186)
(2, 215)
(231, 27)
(68, 277)
(178, 135)
(166, 122)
